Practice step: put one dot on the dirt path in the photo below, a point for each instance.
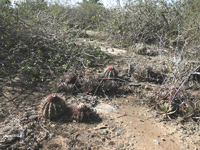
(141, 130)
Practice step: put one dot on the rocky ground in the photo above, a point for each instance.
(124, 121)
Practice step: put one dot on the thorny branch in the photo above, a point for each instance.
(187, 78)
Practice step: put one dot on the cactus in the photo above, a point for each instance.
(52, 106)
(109, 86)
(88, 84)
(66, 82)
(82, 113)
(110, 72)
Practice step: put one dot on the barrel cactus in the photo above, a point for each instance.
(66, 82)
(88, 84)
(110, 72)
(82, 113)
(52, 106)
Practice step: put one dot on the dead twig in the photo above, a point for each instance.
(187, 78)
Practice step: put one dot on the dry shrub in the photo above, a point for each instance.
(66, 82)
(144, 49)
(109, 86)
(185, 102)
(88, 83)
(148, 74)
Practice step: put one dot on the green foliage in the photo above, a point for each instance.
(153, 21)
(39, 41)
(166, 109)
(89, 15)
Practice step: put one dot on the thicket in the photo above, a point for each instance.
(39, 40)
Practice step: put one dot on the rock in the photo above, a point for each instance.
(144, 49)
(103, 139)
(111, 118)
(113, 129)
(171, 133)
(163, 139)
(33, 117)
(117, 134)
(91, 135)
(156, 142)
(105, 131)
(28, 132)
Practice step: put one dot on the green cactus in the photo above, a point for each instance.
(52, 106)
(110, 72)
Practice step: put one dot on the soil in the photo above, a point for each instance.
(125, 121)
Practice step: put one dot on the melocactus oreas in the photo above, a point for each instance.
(52, 106)
(110, 72)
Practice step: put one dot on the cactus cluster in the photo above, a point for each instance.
(73, 82)
(54, 105)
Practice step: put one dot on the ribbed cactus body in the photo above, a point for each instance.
(110, 72)
(52, 106)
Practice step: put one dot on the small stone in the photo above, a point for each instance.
(33, 117)
(117, 133)
(113, 129)
(184, 132)
(170, 133)
(126, 144)
(163, 139)
(103, 139)
(111, 118)
(53, 125)
(156, 142)
(120, 121)
(186, 146)
(105, 132)
(141, 114)
(91, 135)
(124, 96)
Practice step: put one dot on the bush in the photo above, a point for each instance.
(37, 40)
